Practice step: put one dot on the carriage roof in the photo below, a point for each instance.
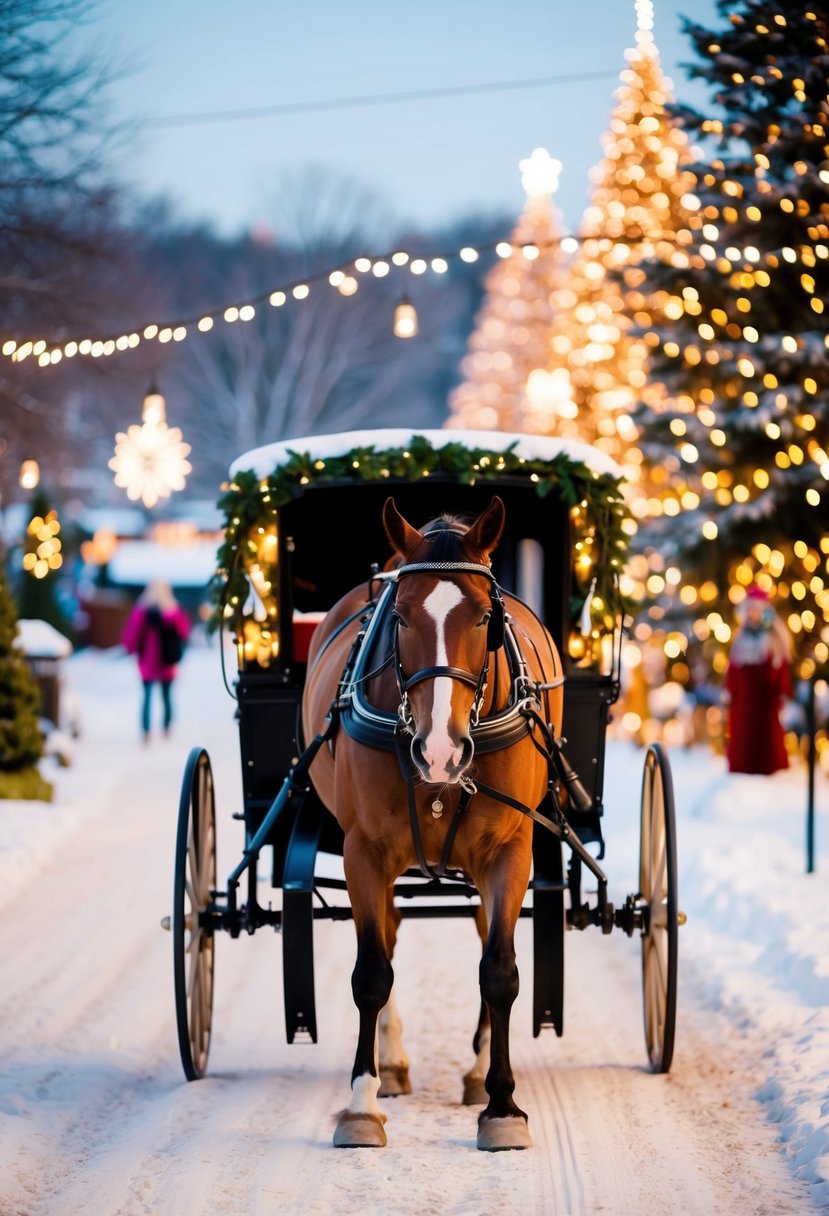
(562, 497)
(531, 448)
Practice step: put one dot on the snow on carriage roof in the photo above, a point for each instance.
(265, 459)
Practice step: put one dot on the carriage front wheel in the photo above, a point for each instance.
(658, 892)
(193, 885)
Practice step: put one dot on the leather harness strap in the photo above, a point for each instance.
(527, 708)
(441, 870)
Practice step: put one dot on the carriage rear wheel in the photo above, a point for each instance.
(194, 883)
(658, 892)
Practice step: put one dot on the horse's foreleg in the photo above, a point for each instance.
(474, 1089)
(502, 1125)
(361, 1124)
(392, 1057)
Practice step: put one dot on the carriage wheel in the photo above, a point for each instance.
(658, 892)
(195, 880)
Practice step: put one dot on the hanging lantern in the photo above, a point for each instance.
(154, 409)
(405, 318)
(29, 474)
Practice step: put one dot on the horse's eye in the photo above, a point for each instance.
(485, 619)
(398, 619)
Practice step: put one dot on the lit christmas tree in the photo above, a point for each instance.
(41, 561)
(743, 355)
(21, 742)
(638, 209)
(510, 344)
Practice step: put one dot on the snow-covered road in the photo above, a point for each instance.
(95, 1116)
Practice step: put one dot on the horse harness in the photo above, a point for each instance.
(375, 647)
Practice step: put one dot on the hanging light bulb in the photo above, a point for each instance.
(154, 409)
(405, 318)
(29, 474)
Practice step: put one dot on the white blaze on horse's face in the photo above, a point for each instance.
(442, 755)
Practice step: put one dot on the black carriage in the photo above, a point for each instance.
(562, 554)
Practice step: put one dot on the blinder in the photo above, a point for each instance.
(495, 627)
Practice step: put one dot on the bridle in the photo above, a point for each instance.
(495, 640)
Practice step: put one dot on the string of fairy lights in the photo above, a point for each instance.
(346, 277)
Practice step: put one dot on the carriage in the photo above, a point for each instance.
(561, 554)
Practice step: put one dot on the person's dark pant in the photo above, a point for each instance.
(166, 700)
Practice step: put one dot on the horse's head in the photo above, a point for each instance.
(449, 616)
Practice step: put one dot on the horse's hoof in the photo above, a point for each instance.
(474, 1091)
(497, 1135)
(359, 1131)
(394, 1081)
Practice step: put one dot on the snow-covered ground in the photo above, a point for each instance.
(96, 1118)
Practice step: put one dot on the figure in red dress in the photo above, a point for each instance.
(757, 680)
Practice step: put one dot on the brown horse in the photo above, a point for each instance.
(451, 669)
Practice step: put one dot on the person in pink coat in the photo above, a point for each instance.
(156, 631)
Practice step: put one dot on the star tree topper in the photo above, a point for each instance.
(540, 173)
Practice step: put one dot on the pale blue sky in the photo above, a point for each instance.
(432, 160)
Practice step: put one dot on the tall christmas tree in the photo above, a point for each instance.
(638, 209)
(21, 743)
(743, 352)
(509, 346)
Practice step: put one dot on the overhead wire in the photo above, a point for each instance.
(370, 99)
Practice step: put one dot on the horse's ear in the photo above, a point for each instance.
(403, 538)
(486, 531)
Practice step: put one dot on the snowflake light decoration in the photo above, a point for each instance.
(150, 461)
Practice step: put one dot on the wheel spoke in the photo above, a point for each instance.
(658, 884)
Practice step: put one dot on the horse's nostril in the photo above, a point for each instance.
(417, 750)
(467, 748)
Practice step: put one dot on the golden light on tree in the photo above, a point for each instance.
(738, 448)
(640, 207)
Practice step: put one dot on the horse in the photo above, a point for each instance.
(464, 653)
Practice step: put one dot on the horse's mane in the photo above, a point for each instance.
(443, 541)
(445, 537)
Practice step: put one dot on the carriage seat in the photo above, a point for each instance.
(304, 624)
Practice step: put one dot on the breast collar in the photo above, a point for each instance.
(375, 727)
